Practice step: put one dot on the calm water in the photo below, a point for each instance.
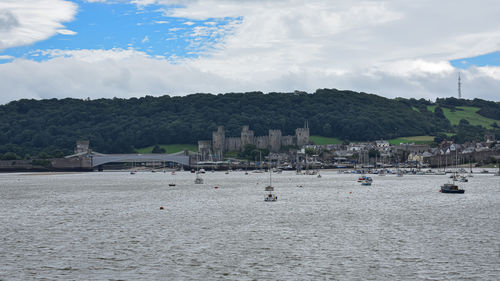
(108, 226)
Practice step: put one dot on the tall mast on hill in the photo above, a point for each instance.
(459, 87)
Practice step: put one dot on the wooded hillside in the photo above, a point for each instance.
(121, 125)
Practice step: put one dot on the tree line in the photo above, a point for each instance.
(52, 126)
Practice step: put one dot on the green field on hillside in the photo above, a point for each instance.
(414, 139)
(170, 148)
(468, 113)
(319, 140)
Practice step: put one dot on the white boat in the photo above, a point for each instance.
(452, 187)
(270, 197)
(198, 180)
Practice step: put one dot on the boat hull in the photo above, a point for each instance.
(459, 191)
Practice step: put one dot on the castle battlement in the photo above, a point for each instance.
(274, 141)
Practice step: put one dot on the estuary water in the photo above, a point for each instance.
(109, 226)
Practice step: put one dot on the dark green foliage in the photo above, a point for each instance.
(488, 109)
(251, 152)
(466, 132)
(440, 137)
(158, 149)
(372, 153)
(311, 151)
(120, 125)
(10, 156)
(41, 162)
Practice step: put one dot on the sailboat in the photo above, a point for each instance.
(470, 169)
(452, 187)
(133, 171)
(198, 180)
(270, 197)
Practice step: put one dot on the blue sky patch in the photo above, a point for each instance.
(125, 26)
(490, 59)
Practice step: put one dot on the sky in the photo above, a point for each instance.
(132, 48)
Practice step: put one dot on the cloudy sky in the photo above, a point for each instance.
(132, 48)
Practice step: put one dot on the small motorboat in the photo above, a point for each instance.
(171, 184)
(365, 178)
(451, 188)
(271, 198)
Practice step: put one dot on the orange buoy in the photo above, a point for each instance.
(350, 192)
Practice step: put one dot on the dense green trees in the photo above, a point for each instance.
(120, 125)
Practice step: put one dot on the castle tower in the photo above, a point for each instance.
(302, 135)
(274, 140)
(246, 137)
(218, 141)
(82, 146)
(204, 149)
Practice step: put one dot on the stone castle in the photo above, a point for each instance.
(274, 141)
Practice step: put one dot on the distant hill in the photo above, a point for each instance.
(122, 125)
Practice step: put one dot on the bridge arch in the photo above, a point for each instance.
(100, 159)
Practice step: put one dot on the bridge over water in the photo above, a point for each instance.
(100, 159)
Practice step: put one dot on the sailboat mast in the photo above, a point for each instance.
(270, 176)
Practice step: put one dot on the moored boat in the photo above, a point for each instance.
(450, 188)
(366, 182)
(270, 197)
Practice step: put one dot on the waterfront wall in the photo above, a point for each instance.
(54, 164)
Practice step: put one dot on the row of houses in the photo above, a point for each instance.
(381, 151)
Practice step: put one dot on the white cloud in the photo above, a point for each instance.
(145, 39)
(129, 73)
(66, 32)
(101, 73)
(391, 48)
(188, 23)
(23, 22)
